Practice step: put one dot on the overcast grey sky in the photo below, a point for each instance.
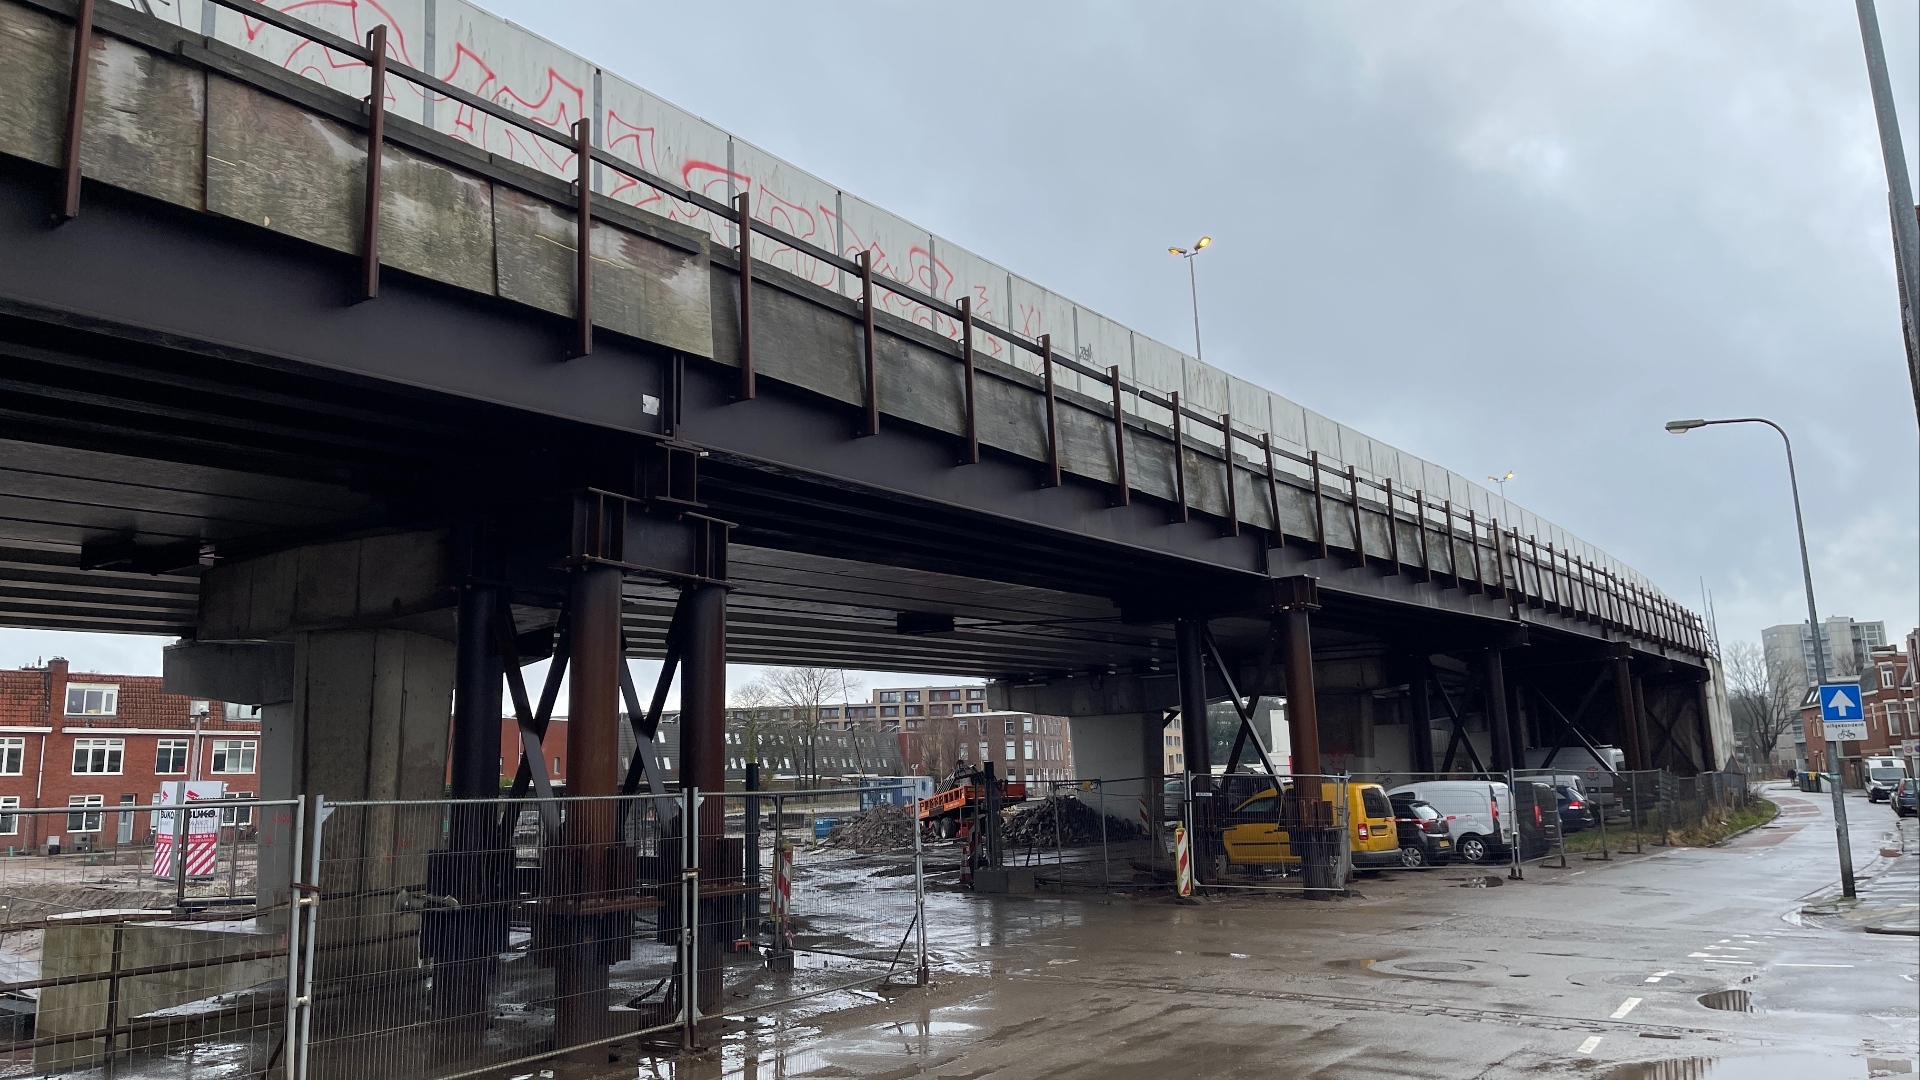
(1516, 235)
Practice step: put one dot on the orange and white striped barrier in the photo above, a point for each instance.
(1182, 861)
(783, 896)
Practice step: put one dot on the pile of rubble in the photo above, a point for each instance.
(1078, 824)
(882, 828)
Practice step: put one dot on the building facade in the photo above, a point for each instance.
(94, 743)
(1022, 746)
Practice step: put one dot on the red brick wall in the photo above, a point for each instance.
(554, 745)
(33, 710)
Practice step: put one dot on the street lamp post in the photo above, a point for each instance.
(1681, 427)
(1193, 284)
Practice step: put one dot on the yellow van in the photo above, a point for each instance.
(1374, 836)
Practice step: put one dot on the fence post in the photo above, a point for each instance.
(1514, 872)
(180, 816)
(312, 899)
(296, 910)
(113, 998)
(689, 906)
(1106, 868)
(919, 899)
(1601, 813)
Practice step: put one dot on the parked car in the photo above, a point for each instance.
(1425, 839)
(1883, 774)
(1576, 812)
(1905, 799)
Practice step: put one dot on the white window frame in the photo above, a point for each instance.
(13, 756)
(9, 823)
(224, 749)
(185, 749)
(92, 817)
(113, 752)
(236, 815)
(109, 699)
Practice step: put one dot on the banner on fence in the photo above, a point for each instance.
(203, 826)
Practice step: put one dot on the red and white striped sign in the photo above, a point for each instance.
(783, 896)
(202, 849)
(1182, 861)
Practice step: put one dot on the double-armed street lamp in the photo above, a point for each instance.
(1188, 253)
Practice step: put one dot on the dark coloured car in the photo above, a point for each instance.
(1576, 812)
(1905, 799)
(1425, 838)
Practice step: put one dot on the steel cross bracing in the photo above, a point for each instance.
(140, 447)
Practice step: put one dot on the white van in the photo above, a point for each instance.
(1479, 813)
(1595, 774)
(1883, 775)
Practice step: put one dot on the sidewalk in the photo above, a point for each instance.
(1888, 888)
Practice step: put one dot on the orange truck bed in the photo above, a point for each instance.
(952, 800)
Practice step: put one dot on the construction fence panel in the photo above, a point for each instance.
(118, 958)
(1464, 819)
(1088, 834)
(458, 937)
(1251, 831)
(834, 903)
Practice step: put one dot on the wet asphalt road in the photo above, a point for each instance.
(1595, 970)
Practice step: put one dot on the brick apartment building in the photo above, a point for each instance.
(96, 742)
(1889, 707)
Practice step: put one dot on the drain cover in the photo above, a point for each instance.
(1728, 1000)
(1433, 965)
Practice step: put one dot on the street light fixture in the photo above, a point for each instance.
(1502, 481)
(1193, 285)
(1681, 427)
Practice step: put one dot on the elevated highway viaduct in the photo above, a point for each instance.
(357, 451)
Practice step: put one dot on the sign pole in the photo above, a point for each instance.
(1840, 833)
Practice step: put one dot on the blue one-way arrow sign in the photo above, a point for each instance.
(1840, 702)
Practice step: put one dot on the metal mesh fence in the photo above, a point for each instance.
(138, 963)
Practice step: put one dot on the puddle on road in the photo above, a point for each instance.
(1772, 1067)
(1728, 1000)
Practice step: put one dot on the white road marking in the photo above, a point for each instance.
(1592, 1042)
(1625, 1008)
(1816, 965)
(1658, 975)
(1742, 963)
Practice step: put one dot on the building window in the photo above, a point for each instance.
(973, 708)
(13, 753)
(9, 823)
(913, 710)
(963, 725)
(889, 696)
(555, 773)
(1013, 751)
(85, 822)
(92, 700)
(98, 756)
(963, 751)
(939, 710)
(1026, 724)
(889, 710)
(913, 695)
(237, 815)
(984, 753)
(242, 713)
(976, 695)
(234, 755)
(1886, 677)
(1029, 749)
(170, 757)
(1012, 726)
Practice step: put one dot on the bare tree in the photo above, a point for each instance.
(751, 699)
(939, 747)
(804, 691)
(1765, 704)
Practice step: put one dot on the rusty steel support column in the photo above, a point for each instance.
(582, 999)
(376, 143)
(870, 379)
(966, 368)
(1053, 423)
(1420, 723)
(474, 867)
(1190, 663)
(583, 240)
(703, 764)
(69, 206)
(1627, 705)
(1179, 455)
(1315, 838)
(1123, 494)
(1233, 496)
(1498, 724)
(743, 221)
